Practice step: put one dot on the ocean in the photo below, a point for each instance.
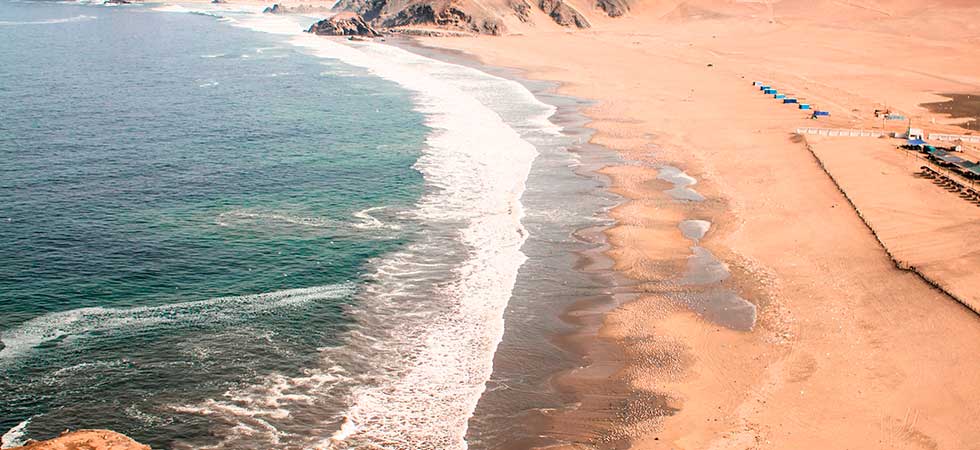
(217, 231)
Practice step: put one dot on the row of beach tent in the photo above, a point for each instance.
(788, 99)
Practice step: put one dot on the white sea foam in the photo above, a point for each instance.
(15, 437)
(82, 322)
(250, 216)
(78, 18)
(366, 221)
(412, 369)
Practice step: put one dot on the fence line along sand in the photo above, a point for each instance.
(954, 137)
(899, 264)
(848, 132)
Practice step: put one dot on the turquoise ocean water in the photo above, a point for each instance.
(157, 171)
(217, 231)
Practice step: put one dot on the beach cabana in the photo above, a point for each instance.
(804, 106)
(821, 113)
(763, 87)
(968, 169)
(779, 96)
(769, 91)
(945, 159)
(975, 172)
(789, 100)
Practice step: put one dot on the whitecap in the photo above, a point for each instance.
(81, 323)
(366, 221)
(78, 18)
(15, 437)
(241, 216)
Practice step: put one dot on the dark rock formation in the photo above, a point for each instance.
(369, 9)
(563, 14)
(441, 14)
(462, 15)
(613, 8)
(343, 24)
(300, 9)
(522, 9)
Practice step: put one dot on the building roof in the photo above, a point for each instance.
(947, 157)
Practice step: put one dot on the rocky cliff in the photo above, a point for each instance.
(459, 15)
(344, 24)
(86, 440)
(613, 8)
(480, 16)
(280, 8)
(563, 14)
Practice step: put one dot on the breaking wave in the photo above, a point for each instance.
(78, 18)
(429, 317)
(82, 322)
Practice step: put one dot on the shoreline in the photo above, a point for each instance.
(585, 315)
(821, 327)
(735, 306)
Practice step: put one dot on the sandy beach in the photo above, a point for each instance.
(693, 264)
(846, 351)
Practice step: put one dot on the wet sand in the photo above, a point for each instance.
(846, 351)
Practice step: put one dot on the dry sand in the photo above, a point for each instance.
(848, 351)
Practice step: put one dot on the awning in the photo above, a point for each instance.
(946, 157)
(916, 142)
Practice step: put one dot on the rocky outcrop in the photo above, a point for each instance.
(613, 8)
(343, 24)
(299, 9)
(563, 14)
(521, 8)
(274, 9)
(86, 440)
(469, 16)
(369, 9)
(441, 14)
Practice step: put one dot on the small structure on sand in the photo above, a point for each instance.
(915, 133)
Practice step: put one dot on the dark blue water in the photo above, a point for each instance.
(158, 172)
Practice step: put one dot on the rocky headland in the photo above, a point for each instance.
(281, 8)
(86, 440)
(495, 17)
(343, 24)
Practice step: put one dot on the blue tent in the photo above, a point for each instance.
(916, 142)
